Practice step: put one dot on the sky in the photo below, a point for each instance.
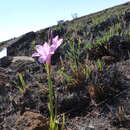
(21, 16)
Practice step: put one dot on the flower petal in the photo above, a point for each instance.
(46, 48)
(35, 54)
(44, 52)
(55, 39)
(42, 59)
(40, 49)
(55, 44)
(60, 41)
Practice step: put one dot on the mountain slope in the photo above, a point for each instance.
(95, 29)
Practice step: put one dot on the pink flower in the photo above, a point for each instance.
(44, 52)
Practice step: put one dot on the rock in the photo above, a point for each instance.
(3, 79)
(95, 92)
(108, 59)
(69, 129)
(23, 58)
(5, 61)
(127, 16)
(21, 45)
(31, 121)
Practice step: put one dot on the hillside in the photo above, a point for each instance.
(90, 74)
(95, 29)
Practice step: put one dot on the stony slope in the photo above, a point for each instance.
(98, 28)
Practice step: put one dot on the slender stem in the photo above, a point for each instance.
(51, 105)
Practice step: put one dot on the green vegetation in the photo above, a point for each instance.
(24, 86)
(99, 65)
(73, 54)
(33, 44)
(68, 78)
(99, 19)
(114, 30)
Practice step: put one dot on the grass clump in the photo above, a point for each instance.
(23, 86)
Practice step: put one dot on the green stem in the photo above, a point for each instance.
(51, 104)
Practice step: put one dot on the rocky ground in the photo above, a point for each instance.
(19, 110)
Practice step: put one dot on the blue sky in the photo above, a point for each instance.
(21, 16)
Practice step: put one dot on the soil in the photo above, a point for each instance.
(82, 112)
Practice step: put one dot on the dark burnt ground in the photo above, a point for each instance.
(110, 114)
(107, 110)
